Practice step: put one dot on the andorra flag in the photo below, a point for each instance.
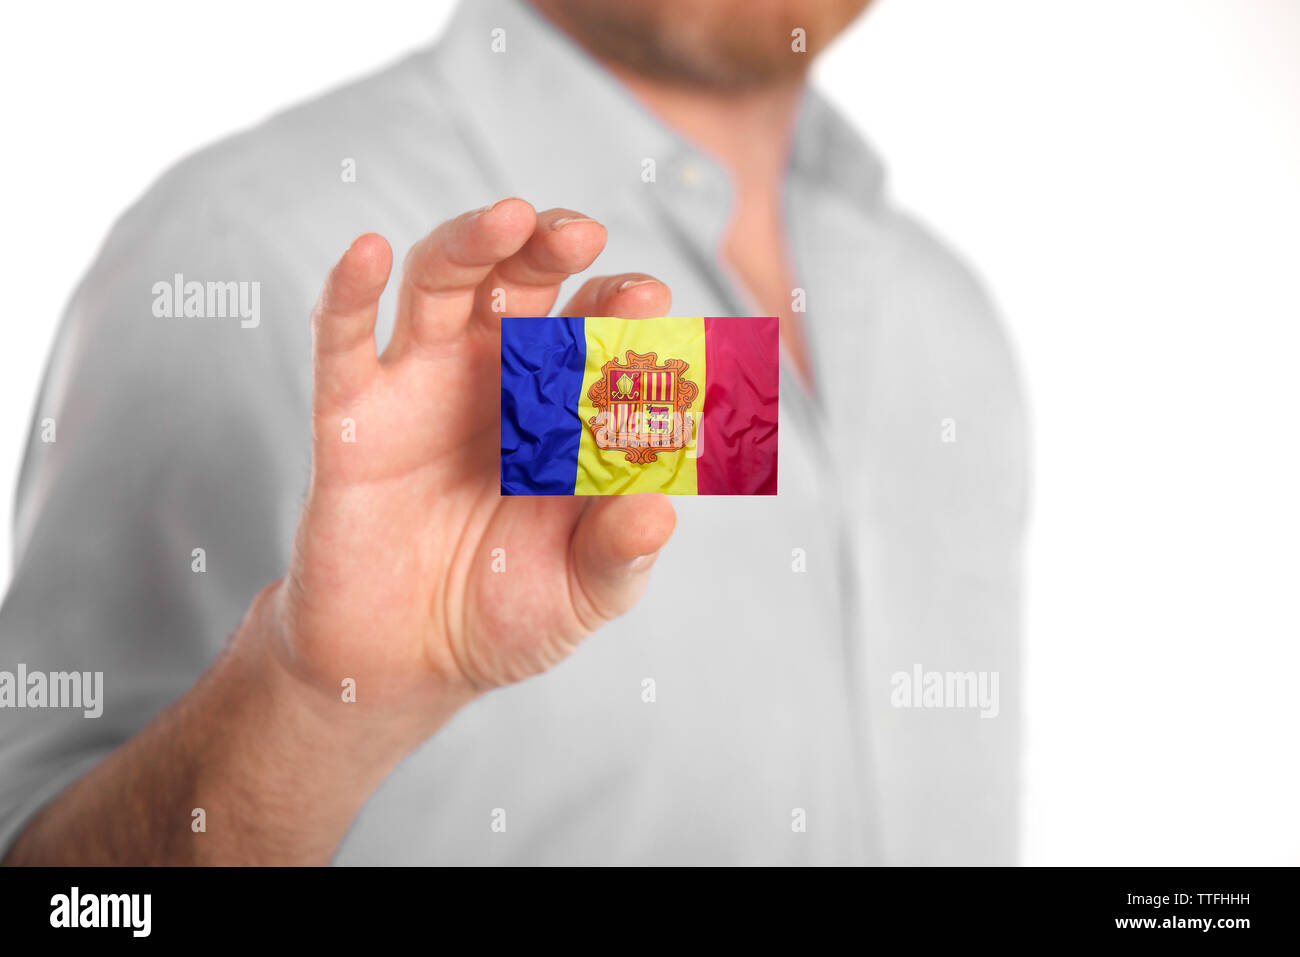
(613, 406)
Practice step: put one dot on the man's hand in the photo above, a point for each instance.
(391, 582)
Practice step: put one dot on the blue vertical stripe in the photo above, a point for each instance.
(542, 364)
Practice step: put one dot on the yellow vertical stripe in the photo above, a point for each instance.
(607, 471)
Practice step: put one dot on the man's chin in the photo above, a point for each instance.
(723, 44)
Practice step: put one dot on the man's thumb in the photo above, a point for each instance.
(614, 545)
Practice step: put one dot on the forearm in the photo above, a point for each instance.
(278, 768)
(392, 586)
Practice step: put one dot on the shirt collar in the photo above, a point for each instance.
(829, 155)
(550, 123)
(548, 119)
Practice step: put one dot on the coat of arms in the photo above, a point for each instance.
(643, 406)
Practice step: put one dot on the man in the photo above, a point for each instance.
(402, 691)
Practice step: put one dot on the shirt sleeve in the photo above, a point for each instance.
(151, 503)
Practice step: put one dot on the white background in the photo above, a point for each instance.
(1126, 175)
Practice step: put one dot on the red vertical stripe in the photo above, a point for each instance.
(737, 441)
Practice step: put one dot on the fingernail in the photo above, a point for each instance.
(567, 220)
(642, 562)
(627, 284)
(491, 206)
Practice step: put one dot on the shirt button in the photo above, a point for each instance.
(691, 174)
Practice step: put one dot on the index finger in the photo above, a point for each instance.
(443, 270)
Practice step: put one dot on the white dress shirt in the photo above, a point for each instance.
(775, 629)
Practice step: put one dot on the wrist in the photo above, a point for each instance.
(334, 708)
(292, 760)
